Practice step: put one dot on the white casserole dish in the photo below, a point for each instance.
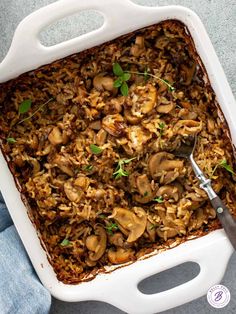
(118, 288)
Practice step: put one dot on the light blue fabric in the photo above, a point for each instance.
(20, 289)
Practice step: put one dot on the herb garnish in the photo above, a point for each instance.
(124, 76)
(65, 242)
(145, 193)
(111, 227)
(161, 127)
(25, 107)
(95, 149)
(120, 172)
(11, 140)
(223, 164)
(158, 199)
(87, 167)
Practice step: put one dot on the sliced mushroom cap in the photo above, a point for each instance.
(82, 181)
(188, 73)
(101, 83)
(138, 137)
(96, 243)
(131, 118)
(117, 239)
(188, 127)
(138, 48)
(73, 193)
(143, 100)
(55, 136)
(163, 161)
(168, 233)
(173, 191)
(63, 164)
(145, 190)
(164, 105)
(131, 223)
(120, 256)
(101, 137)
(114, 124)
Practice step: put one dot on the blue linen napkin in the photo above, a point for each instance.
(20, 289)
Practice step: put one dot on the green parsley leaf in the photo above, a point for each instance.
(145, 193)
(117, 69)
(95, 149)
(111, 228)
(65, 242)
(25, 106)
(11, 140)
(227, 167)
(158, 199)
(124, 89)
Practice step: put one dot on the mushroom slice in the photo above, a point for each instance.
(188, 127)
(169, 233)
(173, 191)
(143, 100)
(120, 256)
(117, 239)
(73, 193)
(164, 105)
(144, 188)
(114, 124)
(63, 164)
(138, 48)
(101, 137)
(96, 243)
(188, 73)
(55, 136)
(160, 162)
(102, 82)
(130, 118)
(138, 137)
(131, 223)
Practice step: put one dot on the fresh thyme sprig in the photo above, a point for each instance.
(124, 75)
(223, 164)
(120, 172)
(25, 107)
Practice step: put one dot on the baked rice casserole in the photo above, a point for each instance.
(89, 140)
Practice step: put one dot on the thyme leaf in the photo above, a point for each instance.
(25, 106)
(95, 149)
(11, 140)
(158, 199)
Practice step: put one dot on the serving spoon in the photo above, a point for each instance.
(228, 222)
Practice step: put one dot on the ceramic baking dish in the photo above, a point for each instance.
(119, 287)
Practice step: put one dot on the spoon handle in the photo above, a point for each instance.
(228, 221)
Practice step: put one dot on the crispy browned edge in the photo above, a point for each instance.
(170, 243)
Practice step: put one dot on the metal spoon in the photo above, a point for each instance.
(228, 222)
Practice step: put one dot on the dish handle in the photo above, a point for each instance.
(211, 254)
(26, 51)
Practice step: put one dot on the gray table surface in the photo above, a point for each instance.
(219, 18)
